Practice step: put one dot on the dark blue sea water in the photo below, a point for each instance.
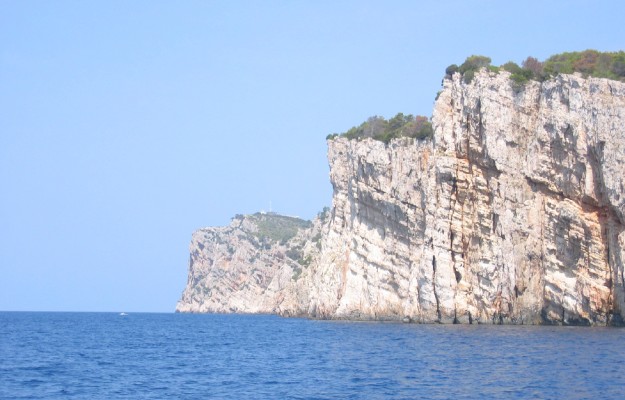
(158, 356)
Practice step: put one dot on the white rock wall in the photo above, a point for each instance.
(514, 213)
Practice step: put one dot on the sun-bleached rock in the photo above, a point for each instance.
(514, 212)
(246, 267)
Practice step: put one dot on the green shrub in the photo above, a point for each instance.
(272, 227)
(609, 65)
(471, 65)
(474, 63)
(420, 128)
(617, 65)
(451, 70)
(305, 262)
(323, 214)
(588, 62)
(401, 125)
(294, 253)
(511, 67)
(559, 64)
(520, 76)
(468, 76)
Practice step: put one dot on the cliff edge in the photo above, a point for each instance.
(513, 212)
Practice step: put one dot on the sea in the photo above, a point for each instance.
(203, 356)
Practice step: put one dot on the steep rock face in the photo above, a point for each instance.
(245, 267)
(513, 213)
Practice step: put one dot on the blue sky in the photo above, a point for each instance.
(126, 125)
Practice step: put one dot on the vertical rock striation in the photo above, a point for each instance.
(249, 266)
(514, 212)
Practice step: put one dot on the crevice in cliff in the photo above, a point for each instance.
(438, 306)
(611, 230)
(474, 125)
(457, 273)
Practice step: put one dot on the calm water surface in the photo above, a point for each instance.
(158, 356)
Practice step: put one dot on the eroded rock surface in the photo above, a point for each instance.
(248, 266)
(514, 212)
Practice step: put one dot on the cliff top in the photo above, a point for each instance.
(593, 63)
(378, 128)
(610, 65)
(273, 227)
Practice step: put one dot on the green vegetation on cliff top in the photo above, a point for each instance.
(273, 227)
(610, 65)
(400, 125)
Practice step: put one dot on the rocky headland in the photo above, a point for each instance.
(513, 212)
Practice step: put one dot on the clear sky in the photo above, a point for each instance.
(126, 125)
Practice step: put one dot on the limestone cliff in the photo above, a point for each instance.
(514, 212)
(245, 267)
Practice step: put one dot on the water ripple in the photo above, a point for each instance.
(158, 356)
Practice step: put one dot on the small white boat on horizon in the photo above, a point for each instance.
(123, 314)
